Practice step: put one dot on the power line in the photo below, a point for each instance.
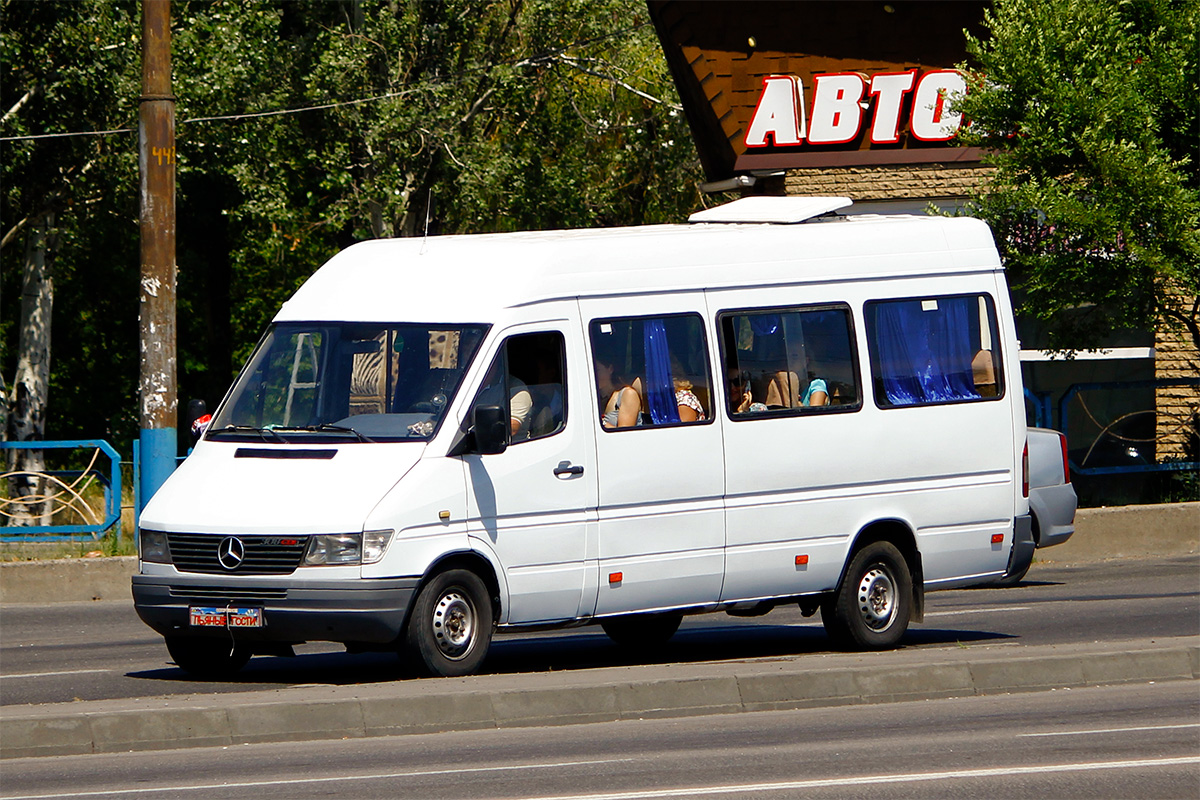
(543, 57)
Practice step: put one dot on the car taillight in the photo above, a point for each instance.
(1062, 441)
(1025, 470)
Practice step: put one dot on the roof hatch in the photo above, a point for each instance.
(779, 210)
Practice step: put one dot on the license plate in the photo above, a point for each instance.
(209, 617)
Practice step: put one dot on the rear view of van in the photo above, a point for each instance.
(440, 439)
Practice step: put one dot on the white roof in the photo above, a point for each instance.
(469, 278)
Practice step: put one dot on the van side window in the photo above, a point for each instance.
(932, 350)
(528, 379)
(788, 361)
(651, 371)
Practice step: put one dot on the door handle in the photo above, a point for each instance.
(566, 468)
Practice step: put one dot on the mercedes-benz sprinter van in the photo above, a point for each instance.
(440, 438)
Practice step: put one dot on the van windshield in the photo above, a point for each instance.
(347, 382)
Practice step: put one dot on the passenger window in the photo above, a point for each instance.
(528, 379)
(789, 361)
(927, 351)
(651, 371)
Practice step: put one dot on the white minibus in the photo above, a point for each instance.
(442, 438)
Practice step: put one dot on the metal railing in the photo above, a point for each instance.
(63, 492)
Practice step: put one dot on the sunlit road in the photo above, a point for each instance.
(94, 651)
(1119, 742)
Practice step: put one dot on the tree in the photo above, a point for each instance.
(303, 126)
(1089, 109)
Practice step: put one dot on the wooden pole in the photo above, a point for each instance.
(156, 162)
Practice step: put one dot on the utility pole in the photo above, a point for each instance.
(156, 163)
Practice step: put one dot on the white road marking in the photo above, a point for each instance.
(200, 787)
(1112, 730)
(999, 610)
(649, 794)
(869, 780)
(51, 674)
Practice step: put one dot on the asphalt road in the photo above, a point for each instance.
(1109, 742)
(95, 651)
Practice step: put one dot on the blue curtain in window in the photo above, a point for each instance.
(925, 356)
(660, 389)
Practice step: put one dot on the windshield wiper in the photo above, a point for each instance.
(327, 427)
(263, 432)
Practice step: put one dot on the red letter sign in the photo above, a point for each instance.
(836, 113)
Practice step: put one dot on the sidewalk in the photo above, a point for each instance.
(594, 695)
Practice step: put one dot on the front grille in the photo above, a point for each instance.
(229, 592)
(262, 555)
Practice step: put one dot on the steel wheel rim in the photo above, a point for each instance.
(454, 622)
(877, 598)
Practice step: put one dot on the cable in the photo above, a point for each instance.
(549, 54)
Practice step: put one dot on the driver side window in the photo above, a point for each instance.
(528, 380)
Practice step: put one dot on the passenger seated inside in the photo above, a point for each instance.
(983, 371)
(690, 407)
(741, 398)
(621, 403)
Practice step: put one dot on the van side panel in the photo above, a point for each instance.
(661, 516)
(801, 488)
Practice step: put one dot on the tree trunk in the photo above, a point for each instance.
(31, 385)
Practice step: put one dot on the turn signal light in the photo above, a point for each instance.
(615, 577)
(801, 561)
(997, 538)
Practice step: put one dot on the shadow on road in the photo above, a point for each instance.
(559, 651)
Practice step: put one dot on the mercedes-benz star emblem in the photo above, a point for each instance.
(231, 552)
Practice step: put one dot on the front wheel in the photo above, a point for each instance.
(873, 604)
(450, 627)
(209, 658)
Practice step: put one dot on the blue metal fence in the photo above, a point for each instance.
(110, 481)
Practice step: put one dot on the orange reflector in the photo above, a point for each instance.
(997, 538)
(801, 561)
(615, 577)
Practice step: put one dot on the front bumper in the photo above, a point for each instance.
(368, 611)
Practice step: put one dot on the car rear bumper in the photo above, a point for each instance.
(1053, 507)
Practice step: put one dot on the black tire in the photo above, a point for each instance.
(643, 631)
(450, 627)
(205, 657)
(872, 606)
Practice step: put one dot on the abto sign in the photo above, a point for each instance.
(840, 104)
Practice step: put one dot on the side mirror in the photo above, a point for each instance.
(198, 418)
(492, 431)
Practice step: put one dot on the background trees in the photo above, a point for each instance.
(399, 116)
(1091, 109)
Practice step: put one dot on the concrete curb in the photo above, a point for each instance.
(500, 701)
(1100, 533)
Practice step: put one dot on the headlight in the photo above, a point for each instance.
(342, 548)
(375, 544)
(153, 547)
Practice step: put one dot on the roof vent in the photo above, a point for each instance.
(779, 210)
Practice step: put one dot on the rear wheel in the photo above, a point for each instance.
(642, 630)
(450, 627)
(873, 604)
(206, 657)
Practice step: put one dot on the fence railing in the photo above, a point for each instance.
(61, 491)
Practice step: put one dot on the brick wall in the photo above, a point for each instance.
(1176, 356)
(889, 183)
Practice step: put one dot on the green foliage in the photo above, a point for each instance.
(454, 116)
(1091, 110)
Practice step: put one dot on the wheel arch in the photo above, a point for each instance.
(472, 561)
(900, 534)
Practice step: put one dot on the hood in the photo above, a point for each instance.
(251, 488)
